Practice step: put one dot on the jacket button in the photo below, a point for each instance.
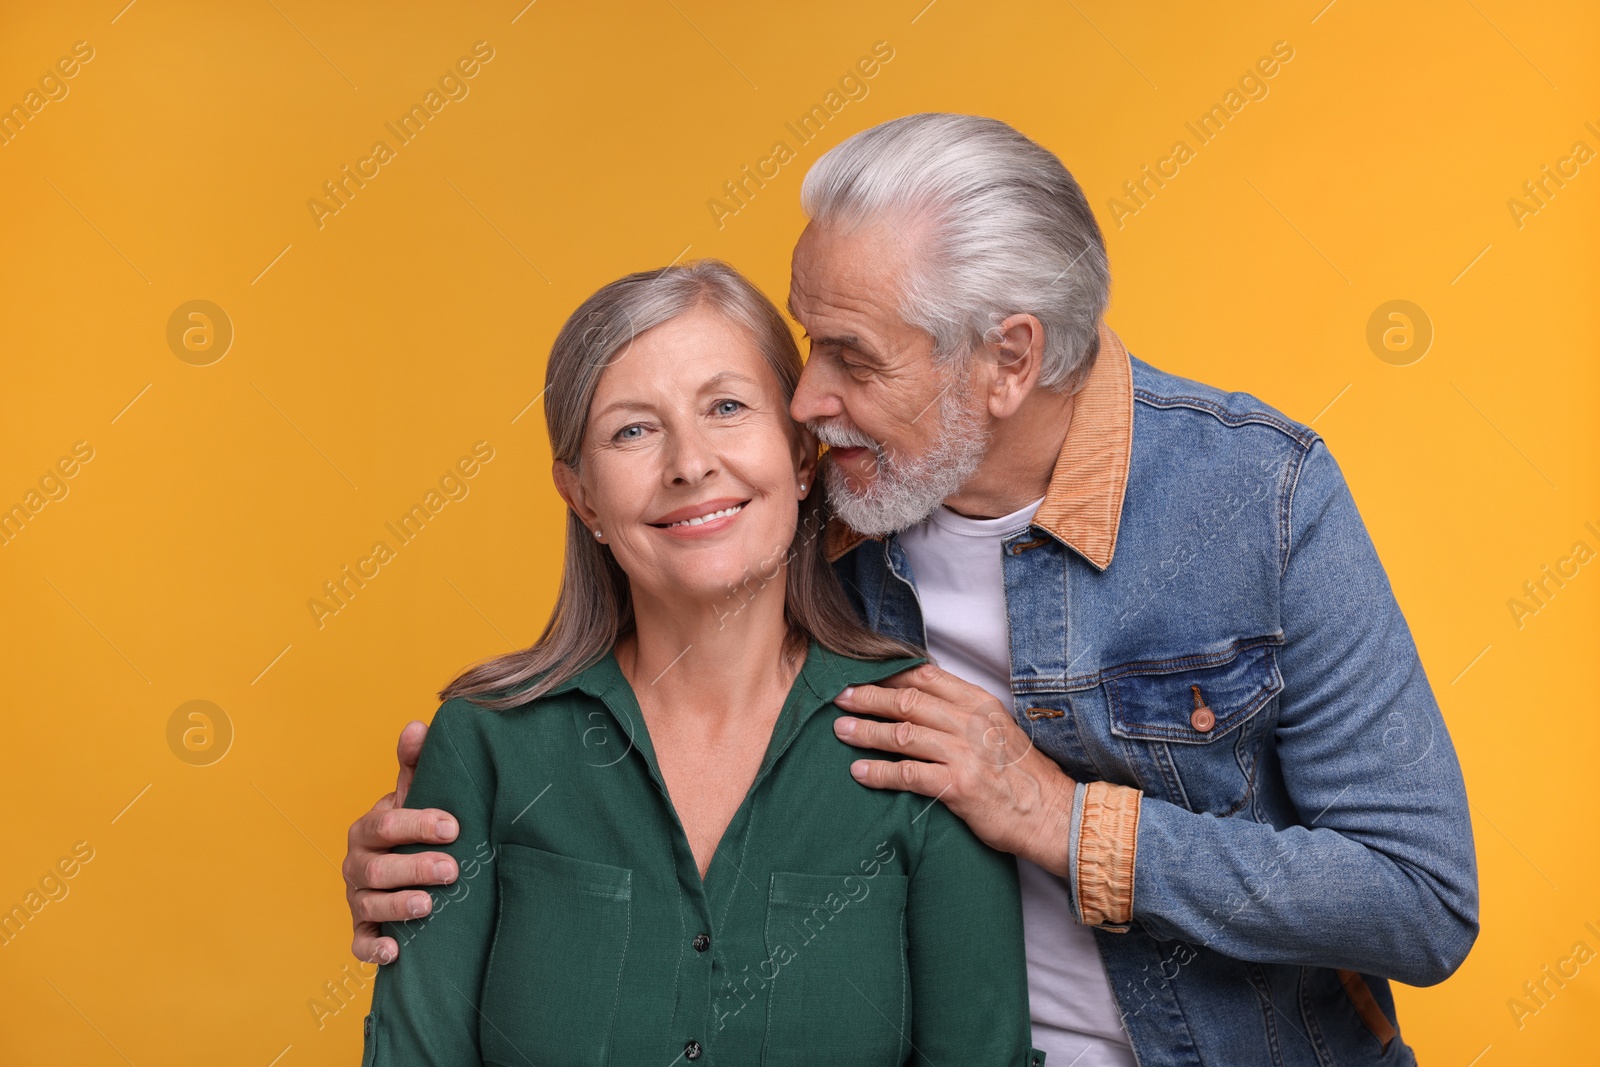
(692, 1050)
(701, 942)
(1203, 719)
(366, 1026)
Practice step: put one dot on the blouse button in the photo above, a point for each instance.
(701, 942)
(692, 1050)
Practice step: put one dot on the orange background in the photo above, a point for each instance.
(371, 353)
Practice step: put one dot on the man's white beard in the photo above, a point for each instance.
(905, 491)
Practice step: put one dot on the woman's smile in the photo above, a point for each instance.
(701, 520)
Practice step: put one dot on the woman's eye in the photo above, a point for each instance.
(728, 407)
(630, 433)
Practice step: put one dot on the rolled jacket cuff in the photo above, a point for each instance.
(1101, 848)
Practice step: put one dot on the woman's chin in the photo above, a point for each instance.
(722, 581)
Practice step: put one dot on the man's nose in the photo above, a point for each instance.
(814, 397)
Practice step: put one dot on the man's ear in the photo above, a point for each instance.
(571, 490)
(1015, 350)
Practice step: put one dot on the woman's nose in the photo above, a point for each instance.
(692, 459)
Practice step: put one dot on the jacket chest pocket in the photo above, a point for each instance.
(1192, 729)
(841, 994)
(556, 966)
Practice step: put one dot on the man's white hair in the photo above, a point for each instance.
(1001, 226)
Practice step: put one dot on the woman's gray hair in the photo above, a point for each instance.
(1002, 228)
(595, 606)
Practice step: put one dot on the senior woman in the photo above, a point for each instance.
(663, 855)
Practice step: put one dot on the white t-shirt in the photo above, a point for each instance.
(956, 562)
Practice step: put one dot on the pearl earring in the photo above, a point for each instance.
(802, 487)
(597, 535)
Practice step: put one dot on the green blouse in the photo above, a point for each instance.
(836, 925)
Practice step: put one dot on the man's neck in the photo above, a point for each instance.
(1021, 457)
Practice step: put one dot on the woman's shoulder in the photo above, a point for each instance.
(527, 696)
(486, 720)
(507, 704)
(829, 670)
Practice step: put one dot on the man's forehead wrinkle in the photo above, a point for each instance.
(848, 283)
(826, 293)
(845, 311)
(906, 227)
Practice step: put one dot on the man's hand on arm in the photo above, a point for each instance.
(963, 748)
(372, 871)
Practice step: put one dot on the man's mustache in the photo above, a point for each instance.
(838, 435)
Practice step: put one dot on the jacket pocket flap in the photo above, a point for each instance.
(1196, 699)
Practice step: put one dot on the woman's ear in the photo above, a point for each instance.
(571, 490)
(805, 460)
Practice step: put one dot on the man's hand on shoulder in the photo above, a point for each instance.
(373, 873)
(965, 749)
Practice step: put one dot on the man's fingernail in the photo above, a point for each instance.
(445, 829)
(844, 727)
(419, 905)
(441, 871)
(858, 769)
(386, 955)
(849, 691)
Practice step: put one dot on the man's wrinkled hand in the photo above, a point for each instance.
(372, 871)
(963, 748)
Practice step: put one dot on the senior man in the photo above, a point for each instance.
(1173, 680)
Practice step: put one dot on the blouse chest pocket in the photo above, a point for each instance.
(555, 970)
(1193, 728)
(841, 994)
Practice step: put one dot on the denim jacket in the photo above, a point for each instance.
(1270, 821)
